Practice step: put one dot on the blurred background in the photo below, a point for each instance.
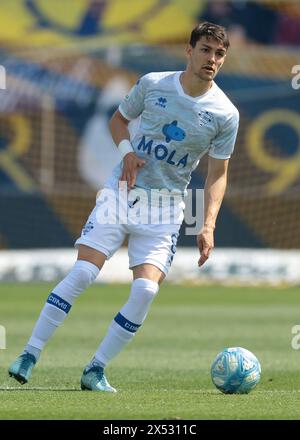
(67, 66)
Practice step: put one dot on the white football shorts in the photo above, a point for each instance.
(152, 231)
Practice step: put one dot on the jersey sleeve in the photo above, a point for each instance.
(133, 103)
(223, 145)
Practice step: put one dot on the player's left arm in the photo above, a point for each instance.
(214, 190)
(215, 185)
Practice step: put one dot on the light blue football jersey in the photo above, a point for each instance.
(176, 130)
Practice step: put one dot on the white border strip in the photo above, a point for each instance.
(249, 266)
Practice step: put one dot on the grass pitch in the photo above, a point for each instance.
(165, 372)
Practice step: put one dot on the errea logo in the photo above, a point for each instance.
(2, 78)
(161, 102)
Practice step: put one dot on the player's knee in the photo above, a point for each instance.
(84, 273)
(144, 290)
(142, 293)
(82, 276)
(78, 279)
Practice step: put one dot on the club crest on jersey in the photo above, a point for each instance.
(204, 117)
(161, 102)
(173, 132)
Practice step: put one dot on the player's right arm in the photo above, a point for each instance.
(130, 108)
(131, 162)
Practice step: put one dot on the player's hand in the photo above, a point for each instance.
(205, 241)
(131, 165)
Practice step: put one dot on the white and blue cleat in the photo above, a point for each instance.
(93, 379)
(21, 368)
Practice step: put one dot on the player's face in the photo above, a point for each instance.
(206, 58)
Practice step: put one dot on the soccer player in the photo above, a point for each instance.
(183, 115)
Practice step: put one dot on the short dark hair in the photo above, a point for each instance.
(209, 30)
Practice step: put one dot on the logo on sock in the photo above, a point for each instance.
(58, 302)
(126, 324)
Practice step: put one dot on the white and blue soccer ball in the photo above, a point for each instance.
(235, 370)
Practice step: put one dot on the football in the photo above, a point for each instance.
(235, 370)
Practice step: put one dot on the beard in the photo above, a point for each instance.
(201, 74)
(205, 76)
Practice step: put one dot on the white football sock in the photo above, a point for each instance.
(59, 303)
(128, 320)
(32, 350)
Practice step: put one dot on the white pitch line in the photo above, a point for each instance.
(38, 389)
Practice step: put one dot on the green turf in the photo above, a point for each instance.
(164, 372)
